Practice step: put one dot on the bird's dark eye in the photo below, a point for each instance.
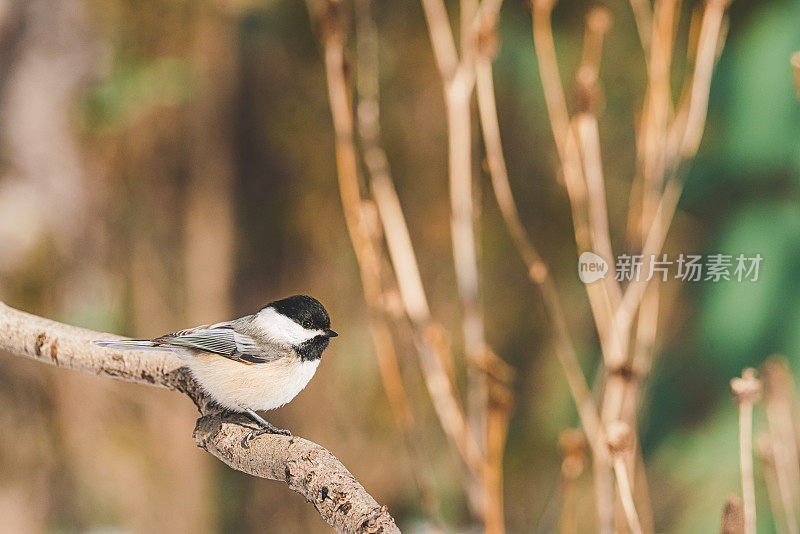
(307, 324)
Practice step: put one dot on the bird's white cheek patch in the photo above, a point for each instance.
(282, 329)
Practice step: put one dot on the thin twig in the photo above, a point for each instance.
(598, 22)
(428, 334)
(766, 456)
(746, 391)
(570, 159)
(650, 141)
(643, 15)
(439, 386)
(620, 443)
(538, 271)
(746, 460)
(625, 494)
(573, 450)
(685, 132)
(687, 129)
(604, 296)
(779, 400)
(390, 212)
(367, 114)
(442, 41)
(465, 253)
(650, 176)
(367, 252)
(589, 138)
(548, 70)
(458, 82)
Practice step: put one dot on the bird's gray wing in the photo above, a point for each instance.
(224, 339)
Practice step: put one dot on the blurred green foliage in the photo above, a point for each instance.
(134, 89)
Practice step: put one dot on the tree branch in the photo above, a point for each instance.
(307, 468)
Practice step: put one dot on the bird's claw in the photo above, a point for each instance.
(253, 434)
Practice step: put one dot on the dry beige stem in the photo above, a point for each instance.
(589, 138)
(779, 397)
(661, 144)
(589, 92)
(604, 296)
(619, 440)
(795, 62)
(306, 467)
(412, 292)
(601, 294)
(457, 88)
(643, 15)
(687, 129)
(650, 140)
(548, 70)
(570, 158)
(368, 117)
(573, 451)
(444, 46)
(465, 254)
(648, 182)
(622, 388)
(766, 456)
(626, 495)
(361, 227)
(435, 357)
(644, 341)
(537, 269)
(458, 76)
(683, 140)
(501, 401)
(445, 402)
(434, 354)
(746, 391)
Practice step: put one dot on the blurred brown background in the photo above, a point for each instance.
(170, 162)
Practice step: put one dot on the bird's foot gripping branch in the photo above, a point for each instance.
(307, 468)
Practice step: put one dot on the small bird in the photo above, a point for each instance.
(257, 362)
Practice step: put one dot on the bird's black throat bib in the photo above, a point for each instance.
(312, 349)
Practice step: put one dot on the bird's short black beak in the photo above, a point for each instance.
(330, 333)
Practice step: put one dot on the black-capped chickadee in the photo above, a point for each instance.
(257, 362)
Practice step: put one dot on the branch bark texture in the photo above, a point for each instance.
(307, 468)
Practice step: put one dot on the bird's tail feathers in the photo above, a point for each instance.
(129, 344)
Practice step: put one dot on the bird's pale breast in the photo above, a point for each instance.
(261, 386)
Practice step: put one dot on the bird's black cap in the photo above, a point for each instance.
(306, 311)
